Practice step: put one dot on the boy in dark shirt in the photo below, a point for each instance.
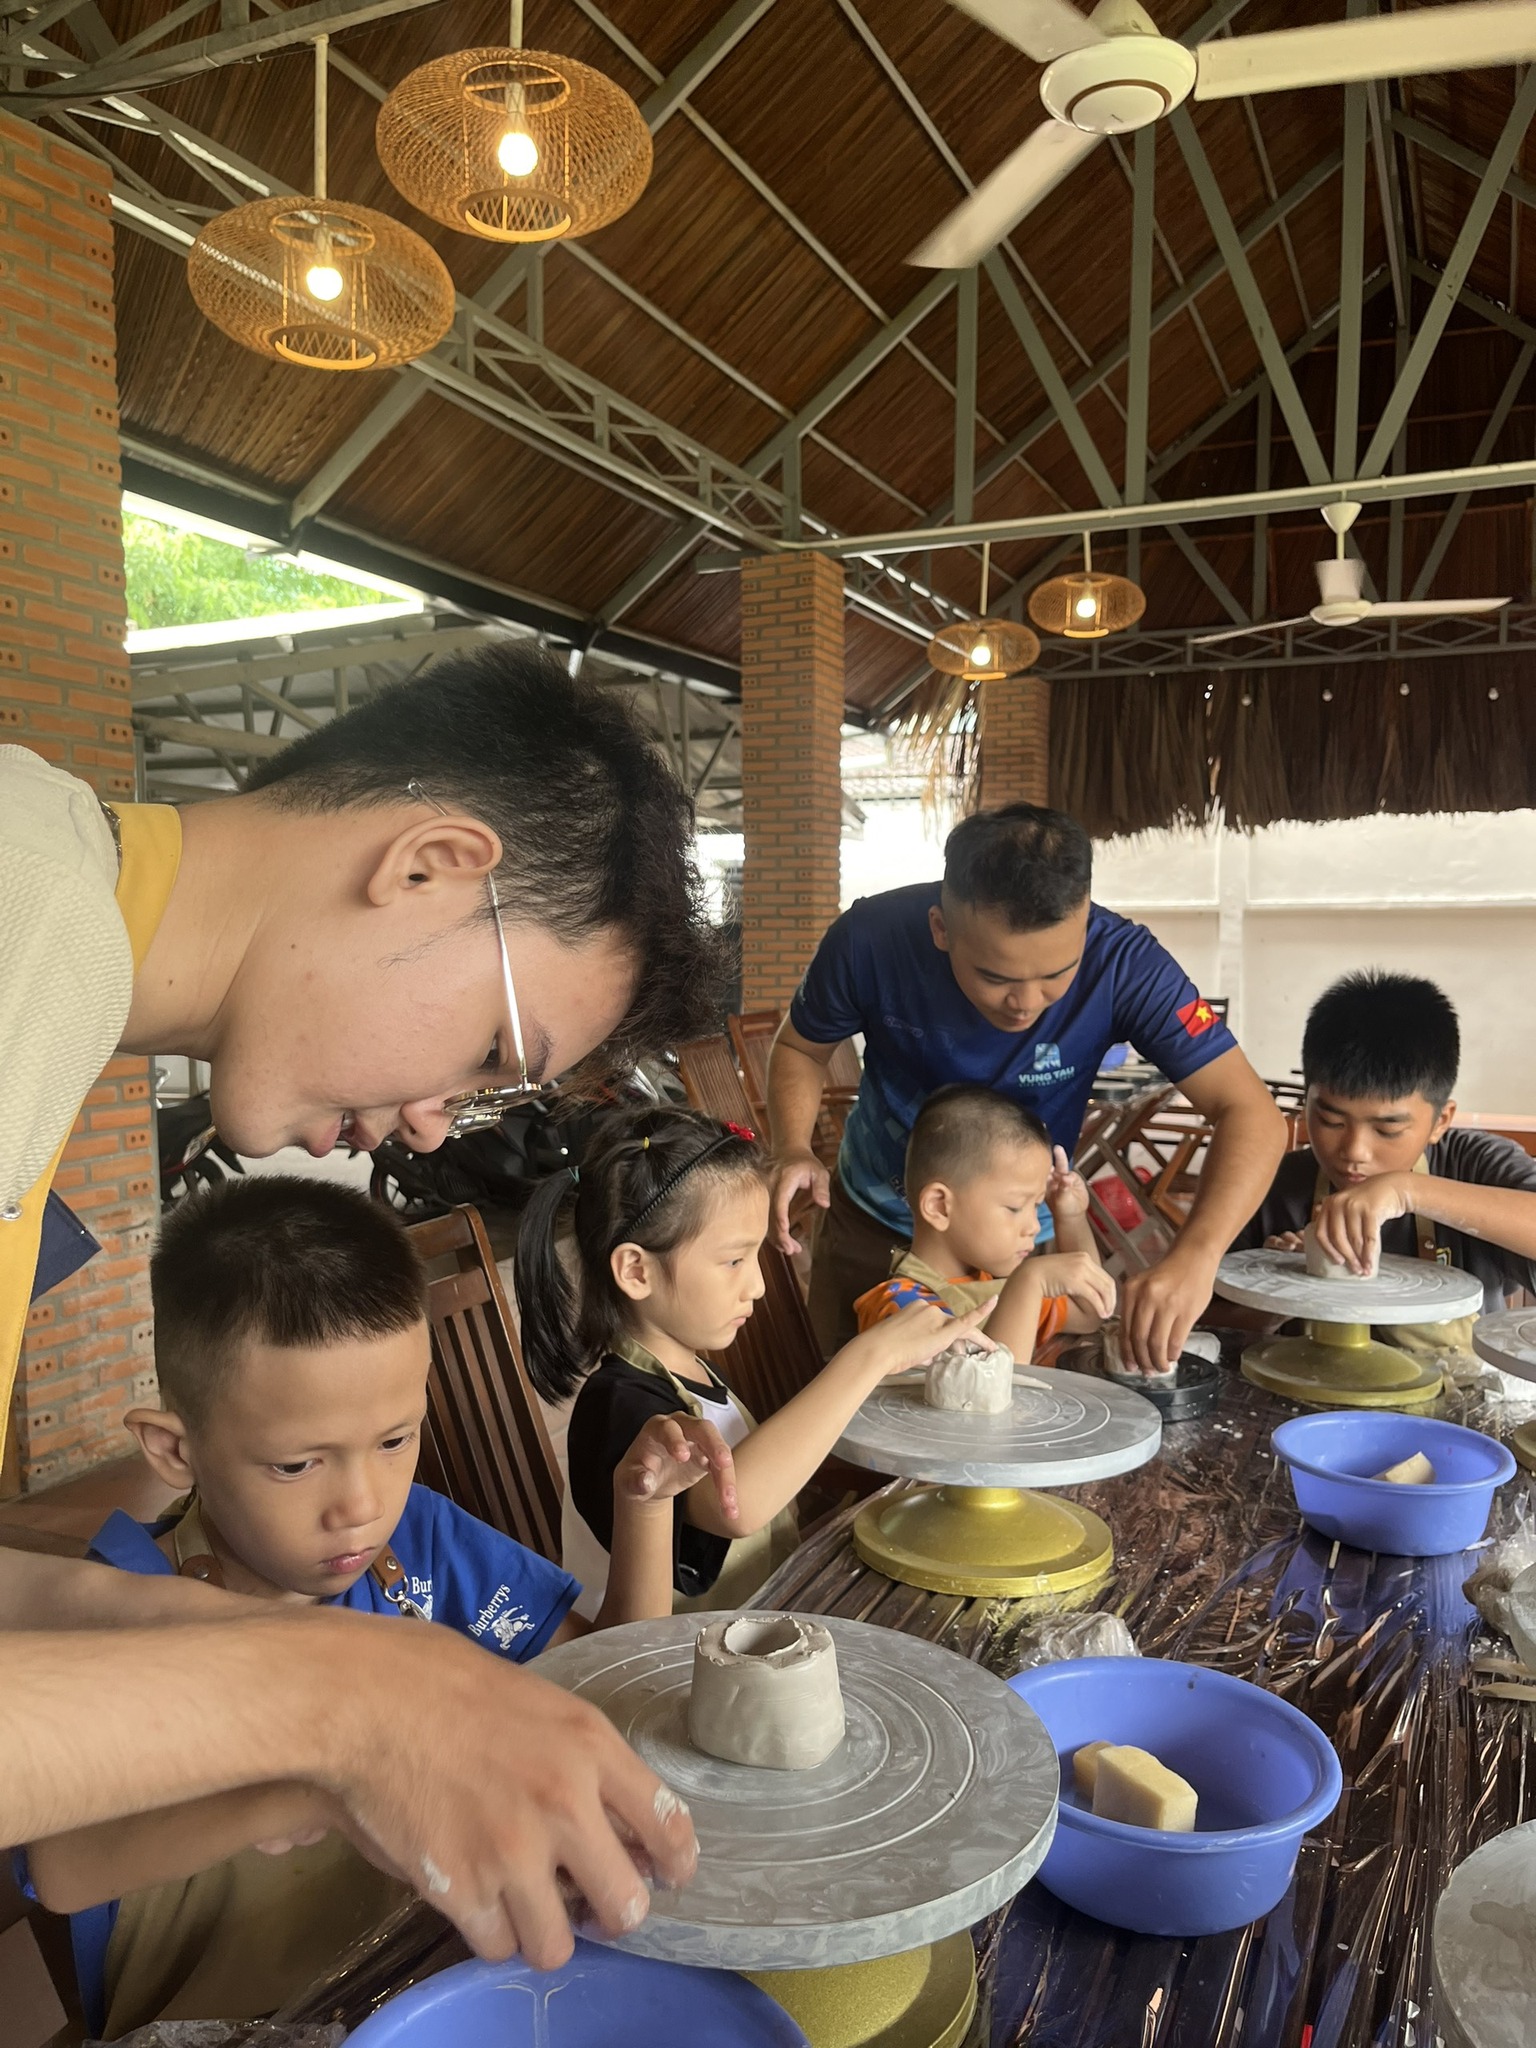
(1384, 1169)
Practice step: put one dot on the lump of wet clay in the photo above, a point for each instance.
(765, 1692)
(1130, 1785)
(968, 1375)
(1414, 1471)
(1115, 1365)
(1085, 1766)
(1321, 1267)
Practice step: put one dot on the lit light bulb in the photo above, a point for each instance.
(1086, 606)
(981, 655)
(517, 153)
(324, 281)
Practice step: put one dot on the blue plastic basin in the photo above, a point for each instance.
(1263, 1772)
(1332, 1457)
(601, 1996)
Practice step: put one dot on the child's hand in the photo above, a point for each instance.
(1285, 1241)
(673, 1453)
(1349, 1223)
(1066, 1192)
(914, 1335)
(1078, 1275)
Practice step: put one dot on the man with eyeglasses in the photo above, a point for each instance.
(410, 918)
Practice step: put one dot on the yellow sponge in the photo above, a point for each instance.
(1085, 1766)
(1131, 1785)
(1414, 1471)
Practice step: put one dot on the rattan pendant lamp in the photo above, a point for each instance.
(515, 145)
(943, 722)
(319, 281)
(1088, 604)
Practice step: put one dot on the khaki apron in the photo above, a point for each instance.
(958, 1296)
(241, 1939)
(1419, 1340)
(751, 1560)
(149, 839)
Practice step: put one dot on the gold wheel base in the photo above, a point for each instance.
(994, 1540)
(924, 1999)
(1523, 1444)
(1344, 1370)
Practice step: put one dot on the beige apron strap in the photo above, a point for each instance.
(958, 1296)
(194, 1553)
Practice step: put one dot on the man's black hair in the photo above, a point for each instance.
(296, 1263)
(1032, 865)
(596, 831)
(1382, 1036)
(959, 1130)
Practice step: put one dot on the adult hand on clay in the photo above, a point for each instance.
(1349, 1223)
(485, 1784)
(673, 1453)
(1158, 1308)
(794, 1174)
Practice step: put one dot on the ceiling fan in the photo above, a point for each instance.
(1111, 71)
(1339, 584)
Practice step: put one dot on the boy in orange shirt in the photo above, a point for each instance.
(978, 1165)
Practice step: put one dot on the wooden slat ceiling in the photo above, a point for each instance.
(804, 102)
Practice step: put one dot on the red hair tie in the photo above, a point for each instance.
(747, 1137)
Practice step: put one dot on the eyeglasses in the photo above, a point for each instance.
(479, 1109)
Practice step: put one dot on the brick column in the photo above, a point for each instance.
(1015, 742)
(64, 691)
(791, 783)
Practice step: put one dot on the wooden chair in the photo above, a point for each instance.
(485, 1444)
(776, 1353)
(752, 1036)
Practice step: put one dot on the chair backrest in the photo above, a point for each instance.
(752, 1036)
(485, 1444)
(776, 1353)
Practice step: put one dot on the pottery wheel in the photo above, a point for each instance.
(1404, 1291)
(1507, 1339)
(1484, 1932)
(1064, 1431)
(937, 1808)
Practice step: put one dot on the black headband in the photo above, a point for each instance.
(733, 1134)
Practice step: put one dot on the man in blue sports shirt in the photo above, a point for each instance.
(1008, 974)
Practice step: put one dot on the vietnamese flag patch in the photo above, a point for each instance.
(1197, 1016)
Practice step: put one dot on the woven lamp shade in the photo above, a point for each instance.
(1087, 605)
(515, 145)
(383, 295)
(983, 650)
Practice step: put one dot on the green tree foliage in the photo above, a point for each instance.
(177, 578)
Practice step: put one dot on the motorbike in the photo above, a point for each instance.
(192, 1154)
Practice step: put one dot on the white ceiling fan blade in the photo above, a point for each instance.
(1042, 29)
(1429, 608)
(1001, 201)
(1244, 632)
(1455, 38)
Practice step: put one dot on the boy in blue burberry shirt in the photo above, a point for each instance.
(292, 1348)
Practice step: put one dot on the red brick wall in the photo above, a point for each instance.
(64, 691)
(792, 798)
(1015, 741)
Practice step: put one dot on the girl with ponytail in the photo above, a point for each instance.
(664, 1225)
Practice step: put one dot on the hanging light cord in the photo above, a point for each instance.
(322, 81)
(986, 573)
(517, 24)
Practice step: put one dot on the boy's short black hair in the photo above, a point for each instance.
(959, 1128)
(596, 831)
(1383, 1036)
(300, 1263)
(1033, 865)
